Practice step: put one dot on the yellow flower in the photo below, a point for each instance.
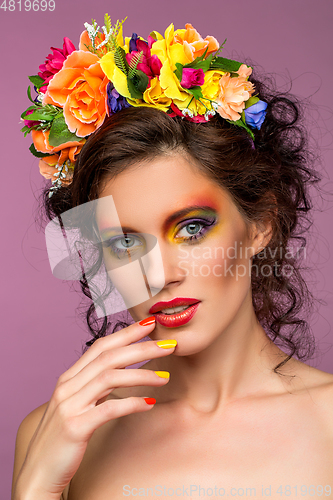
(115, 74)
(210, 91)
(154, 95)
(169, 52)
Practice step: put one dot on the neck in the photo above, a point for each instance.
(238, 364)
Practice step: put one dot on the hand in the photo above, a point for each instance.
(78, 406)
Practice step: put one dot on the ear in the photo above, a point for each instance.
(260, 235)
(261, 232)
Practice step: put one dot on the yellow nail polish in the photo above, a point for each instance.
(163, 374)
(167, 344)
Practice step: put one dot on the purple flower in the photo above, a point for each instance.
(132, 44)
(116, 102)
(192, 78)
(255, 114)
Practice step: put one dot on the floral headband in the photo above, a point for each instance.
(180, 74)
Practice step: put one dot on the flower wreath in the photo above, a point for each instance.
(180, 74)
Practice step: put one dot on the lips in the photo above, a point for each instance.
(176, 319)
(176, 302)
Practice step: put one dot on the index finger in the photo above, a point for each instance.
(123, 337)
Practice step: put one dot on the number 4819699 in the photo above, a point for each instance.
(27, 5)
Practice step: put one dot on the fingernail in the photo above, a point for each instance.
(167, 344)
(150, 401)
(163, 374)
(147, 321)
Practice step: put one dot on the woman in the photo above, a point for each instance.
(224, 410)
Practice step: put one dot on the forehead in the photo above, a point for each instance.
(145, 195)
(160, 187)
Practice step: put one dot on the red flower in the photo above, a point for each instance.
(54, 62)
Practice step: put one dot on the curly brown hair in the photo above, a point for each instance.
(267, 181)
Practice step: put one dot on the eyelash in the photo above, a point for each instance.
(201, 234)
(118, 252)
(191, 240)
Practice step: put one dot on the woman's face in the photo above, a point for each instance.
(204, 243)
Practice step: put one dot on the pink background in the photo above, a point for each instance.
(41, 332)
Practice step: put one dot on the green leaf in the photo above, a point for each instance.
(24, 114)
(136, 59)
(29, 95)
(196, 92)
(25, 129)
(59, 133)
(179, 71)
(39, 115)
(225, 64)
(200, 63)
(137, 84)
(240, 123)
(220, 48)
(37, 81)
(107, 22)
(251, 101)
(36, 153)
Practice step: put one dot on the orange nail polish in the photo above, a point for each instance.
(147, 321)
(150, 401)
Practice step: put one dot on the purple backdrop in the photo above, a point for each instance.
(41, 333)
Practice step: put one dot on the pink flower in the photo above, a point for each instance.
(54, 62)
(150, 64)
(192, 77)
(30, 123)
(234, 92)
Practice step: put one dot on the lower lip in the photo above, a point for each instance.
(178, 319)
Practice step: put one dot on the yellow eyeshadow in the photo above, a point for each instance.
(194, 214)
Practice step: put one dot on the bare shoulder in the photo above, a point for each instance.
(319, 386)
(25, 433)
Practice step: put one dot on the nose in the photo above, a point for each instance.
(161, 266)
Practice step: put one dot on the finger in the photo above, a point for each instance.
(123, 337)
(83, 426)
(108, 360)
(102, 385)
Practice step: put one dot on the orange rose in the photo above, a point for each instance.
(62, 153)
(194, 44)
(80, 89)
(86, 42)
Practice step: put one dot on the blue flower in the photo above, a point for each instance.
(255, 114)
(132, 43)
(116, 102)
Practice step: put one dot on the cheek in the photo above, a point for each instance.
(128, 280)
(223, 258)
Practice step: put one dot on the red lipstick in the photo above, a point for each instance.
(176, 319)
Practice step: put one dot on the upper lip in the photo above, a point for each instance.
(176, 302)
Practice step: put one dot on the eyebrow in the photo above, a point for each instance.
(167, 223)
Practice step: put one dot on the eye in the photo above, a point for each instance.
(194, 230)
(190, 229)
(124, 246)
